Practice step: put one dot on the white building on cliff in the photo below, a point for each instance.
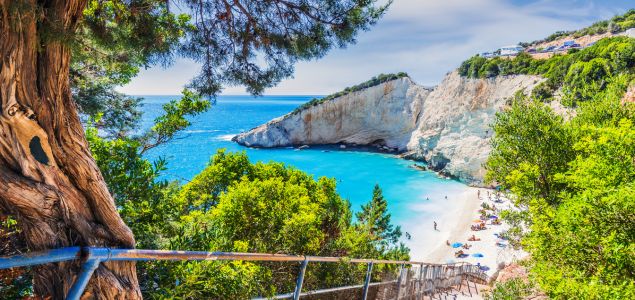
(629, 33)
(511, 50)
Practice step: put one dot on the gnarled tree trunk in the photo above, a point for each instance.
(48, 178)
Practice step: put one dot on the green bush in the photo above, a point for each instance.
(513, 289)
(575, 183)
(236, 206)
(583, 247)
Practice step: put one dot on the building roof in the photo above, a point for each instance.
(512, 47)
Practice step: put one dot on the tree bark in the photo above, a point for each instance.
(48, 178)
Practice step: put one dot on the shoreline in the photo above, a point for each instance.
(405, 155)
(455, 226)
(459, 227)
(453, 215)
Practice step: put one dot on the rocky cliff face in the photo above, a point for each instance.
(453, 131)
(384, 114)
(447, 126)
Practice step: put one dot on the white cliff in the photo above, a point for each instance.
(385, 114)
(448, 127)
(453, 133)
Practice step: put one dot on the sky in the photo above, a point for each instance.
(425, 38)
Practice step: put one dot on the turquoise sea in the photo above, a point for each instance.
(406, 189)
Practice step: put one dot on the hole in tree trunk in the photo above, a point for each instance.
(36, 150)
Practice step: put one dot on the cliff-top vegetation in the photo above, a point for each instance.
(377, 80)
(579, 74)
(572, 178)
(614, 25)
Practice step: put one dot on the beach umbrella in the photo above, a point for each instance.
(477, 255)
(493, 217)
(456, 245)
(484, 268)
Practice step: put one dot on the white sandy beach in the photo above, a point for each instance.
(454, 226)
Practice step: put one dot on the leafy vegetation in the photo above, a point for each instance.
(614, 25)
(575, 181)
(250, 43)
(513, 289)
(377, 80)
(236, 206)
(14, 283)
(579, 75)
(375, 217)
(106, 54)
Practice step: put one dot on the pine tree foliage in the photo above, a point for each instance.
(374, 218)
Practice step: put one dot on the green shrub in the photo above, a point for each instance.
(513, 289)
(575, 183)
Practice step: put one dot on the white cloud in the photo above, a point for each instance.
(426, 38)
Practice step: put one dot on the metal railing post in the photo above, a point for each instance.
(426, 274)
(300, 280)
(399, 281)
(462, 276)
(468, 287)
(440, 277)
(80, 283)
(435, 282)
(93, 258)
(420, 283)
(367, 280)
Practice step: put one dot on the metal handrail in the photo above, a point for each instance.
(93, 256)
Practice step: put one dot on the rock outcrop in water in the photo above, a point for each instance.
(448, 126)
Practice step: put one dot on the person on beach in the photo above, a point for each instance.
(446, 197)
(435, 225)
(478, 194)
(473, 239)
(447, 242)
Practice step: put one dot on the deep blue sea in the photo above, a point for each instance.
(406, 189)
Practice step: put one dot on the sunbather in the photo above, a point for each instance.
(473, 238)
